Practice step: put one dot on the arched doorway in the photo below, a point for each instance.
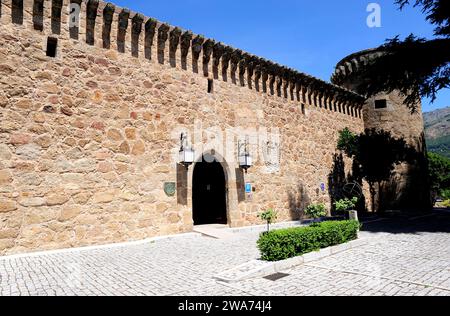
(209, 193)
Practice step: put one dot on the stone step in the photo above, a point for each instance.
(215, 231)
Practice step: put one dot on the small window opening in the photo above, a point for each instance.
(303, 109)
(52, 46)
(380, 104)
(210, 86)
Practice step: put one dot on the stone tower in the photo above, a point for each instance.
(408, 187)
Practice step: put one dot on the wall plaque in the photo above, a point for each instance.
(170, 188)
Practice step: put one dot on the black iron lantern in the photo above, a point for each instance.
(186, 154)
(244, 157)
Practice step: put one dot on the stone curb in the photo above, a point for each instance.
(259, 268)
(97, 247)
(263, 228)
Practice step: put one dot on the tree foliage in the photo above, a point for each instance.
(347, 142)
(375, 153)
(345, 204)
(439, 170)
(416, 67)
(437, 11)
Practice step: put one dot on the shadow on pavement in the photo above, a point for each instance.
(436, 221)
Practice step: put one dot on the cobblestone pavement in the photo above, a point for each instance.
(403, 257)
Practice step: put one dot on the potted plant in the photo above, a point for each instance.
(347, 205)
(269, 216)
(316, 211)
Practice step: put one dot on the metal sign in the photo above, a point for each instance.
(322, 187)
(170, 188)
(248, 188)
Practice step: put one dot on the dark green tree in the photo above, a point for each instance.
(416, 67)
(439, 170)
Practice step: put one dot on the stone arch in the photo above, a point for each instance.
(231, 201)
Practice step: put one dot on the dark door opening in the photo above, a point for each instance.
(209, 193)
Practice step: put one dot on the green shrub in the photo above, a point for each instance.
(345, 204)
(288, 243)
(316, 211)
(446, 203)
(445, 194)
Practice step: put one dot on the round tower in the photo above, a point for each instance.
(407, 188)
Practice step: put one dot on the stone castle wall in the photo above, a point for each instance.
(87, 137)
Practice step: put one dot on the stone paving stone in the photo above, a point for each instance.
(415, 262)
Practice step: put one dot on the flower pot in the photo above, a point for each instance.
(353, 215)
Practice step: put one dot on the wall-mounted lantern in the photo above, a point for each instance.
(245, 159)
(186, 154)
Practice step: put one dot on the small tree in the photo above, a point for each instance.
(316, 211)
(269, 216)
(348, 142)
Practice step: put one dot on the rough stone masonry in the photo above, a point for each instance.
(90, 104)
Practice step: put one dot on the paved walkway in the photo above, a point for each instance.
(404, 257)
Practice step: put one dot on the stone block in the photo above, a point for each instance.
(104, 197)
(57, 199)
(69, 212)
(32, 201)
(7, 205)
(5, 176)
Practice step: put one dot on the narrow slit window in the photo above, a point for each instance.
(381, 104)
(303, 109)
(210, 86)
(52, 46)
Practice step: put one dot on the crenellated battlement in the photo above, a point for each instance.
(110, 27)
(350, 65)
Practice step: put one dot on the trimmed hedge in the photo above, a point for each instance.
(288, 243)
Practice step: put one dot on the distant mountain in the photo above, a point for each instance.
(437, 131)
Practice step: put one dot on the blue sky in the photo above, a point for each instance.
(310, 36)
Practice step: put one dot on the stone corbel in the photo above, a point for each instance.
(328, 102)
(286, 79)
(297, 89)
(185, 44)
(38, 15)
(264, 76)
(174, 40)
(235, 59)
(17, 11)
(150, 29)
(136, 29)
(258, 73)
(226, 56)
(56, 15)
(91, 14)
(124, 15)
(242, 68)
(197, 44)
(218, 51)
(272, 78)
(162, 38)
(108, 15)
(279, 84)
(208, 46)
(251, 61)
